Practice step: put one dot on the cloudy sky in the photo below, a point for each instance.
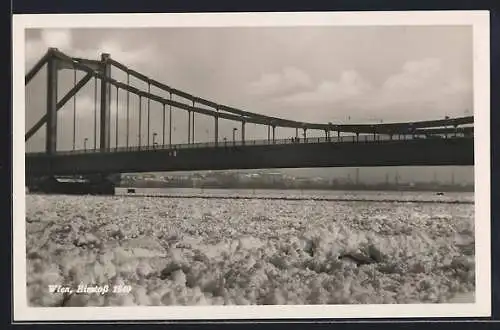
(315, 74)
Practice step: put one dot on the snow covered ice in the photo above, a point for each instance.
(200, 251)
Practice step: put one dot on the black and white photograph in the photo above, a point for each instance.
(329, 162)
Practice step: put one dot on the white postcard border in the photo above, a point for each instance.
(478, 19)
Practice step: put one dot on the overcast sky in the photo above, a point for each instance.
(315, 74)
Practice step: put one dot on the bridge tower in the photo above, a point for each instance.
(55, 61)
(105, 136)
(54, 65)
(52, 75)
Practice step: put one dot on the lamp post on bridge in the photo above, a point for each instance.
(243, 132)
(446, 117)
(234, 135)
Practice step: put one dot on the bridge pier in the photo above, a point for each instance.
(101, 184)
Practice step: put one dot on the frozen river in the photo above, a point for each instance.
(205, 248)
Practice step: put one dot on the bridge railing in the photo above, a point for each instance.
(362, 138)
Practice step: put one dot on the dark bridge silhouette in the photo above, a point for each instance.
(447, 141)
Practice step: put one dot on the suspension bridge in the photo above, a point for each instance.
(437, 142)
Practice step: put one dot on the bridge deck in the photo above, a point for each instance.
(311, 140)
(414, 152)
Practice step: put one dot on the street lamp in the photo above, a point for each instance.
(234, 133)
(446, 133)
(154, 137)
(85, 144)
